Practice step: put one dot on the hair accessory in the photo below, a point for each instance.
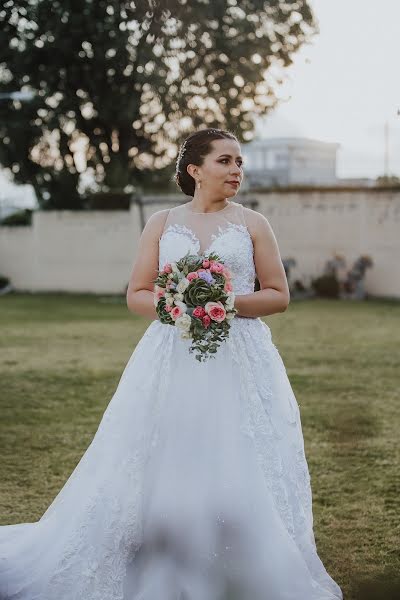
(181, 152)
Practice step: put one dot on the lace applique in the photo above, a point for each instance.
(287, 479)
(264, 435)
(183, 230)
(223, 230)
(101, 569)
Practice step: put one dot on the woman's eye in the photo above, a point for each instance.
(227, 159)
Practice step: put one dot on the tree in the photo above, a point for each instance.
(388, 180)
(118, 84)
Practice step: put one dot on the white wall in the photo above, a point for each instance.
(94, 251)
(312, 226)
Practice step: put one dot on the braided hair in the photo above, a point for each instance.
(192, 151)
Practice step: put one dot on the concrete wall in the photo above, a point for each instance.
(311, 226)
(94, 251)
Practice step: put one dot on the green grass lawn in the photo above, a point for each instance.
(60, 362)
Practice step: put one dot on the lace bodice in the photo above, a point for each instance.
(224, 232)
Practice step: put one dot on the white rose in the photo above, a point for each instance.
(178, 296)
(182, 285)
(229, 315)
(183, 322)
(230, 301)
(169, 300)
(185, 335)
(181, 305)
(174, 268)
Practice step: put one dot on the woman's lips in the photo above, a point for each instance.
(233, 183)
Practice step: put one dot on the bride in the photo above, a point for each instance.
(195, 485)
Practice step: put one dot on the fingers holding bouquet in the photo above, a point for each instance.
(196, 295)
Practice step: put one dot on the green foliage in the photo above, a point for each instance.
(4, 281)
(162, 314)
(388, 181)
(108, 200)
(206, 345)
(20, 217)
(122, 78)
(326, 286)
(198, 293)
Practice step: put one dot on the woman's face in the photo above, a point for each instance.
(222, 170)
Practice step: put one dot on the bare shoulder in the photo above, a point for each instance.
(257, 224)
(155, 223)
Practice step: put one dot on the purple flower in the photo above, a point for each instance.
(207, 277)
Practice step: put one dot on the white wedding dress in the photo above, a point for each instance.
(195, 485)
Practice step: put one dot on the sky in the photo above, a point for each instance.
(344, 86)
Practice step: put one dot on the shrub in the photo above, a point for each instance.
(21, 217)
(111, 200)
(4, 281)
(326, 286)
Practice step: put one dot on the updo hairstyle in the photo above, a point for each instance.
(192, 151)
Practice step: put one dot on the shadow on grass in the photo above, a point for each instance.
(385, 586)
(352, 422)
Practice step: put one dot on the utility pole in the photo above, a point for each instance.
(387, 146)
(386, 157)
(398, 114)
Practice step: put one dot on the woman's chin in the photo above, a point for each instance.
(231, 192)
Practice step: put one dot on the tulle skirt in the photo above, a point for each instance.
(194, 487)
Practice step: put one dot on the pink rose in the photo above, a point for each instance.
(192, 275)
(168, 308)
(199, 312)
(206, 321)
(216, 311)
(228, 287)
(167, 268)
(176, 312)
(159, 291)
(216, 267)
(206, 263)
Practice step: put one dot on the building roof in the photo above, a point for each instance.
(290, 141)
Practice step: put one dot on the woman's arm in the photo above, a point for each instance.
(274, 295)
(140, 293)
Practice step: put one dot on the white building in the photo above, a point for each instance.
(290, 161)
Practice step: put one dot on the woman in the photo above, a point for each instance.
(196, 485)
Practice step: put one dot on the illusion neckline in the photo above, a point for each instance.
(193, 237)
(214, 212)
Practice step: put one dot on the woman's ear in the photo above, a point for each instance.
(192, 170)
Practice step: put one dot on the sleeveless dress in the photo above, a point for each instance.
(195, 485)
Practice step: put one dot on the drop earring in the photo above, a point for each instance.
(198, 183)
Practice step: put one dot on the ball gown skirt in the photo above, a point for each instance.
(194, 487)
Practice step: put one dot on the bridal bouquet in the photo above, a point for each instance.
(195, 294)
